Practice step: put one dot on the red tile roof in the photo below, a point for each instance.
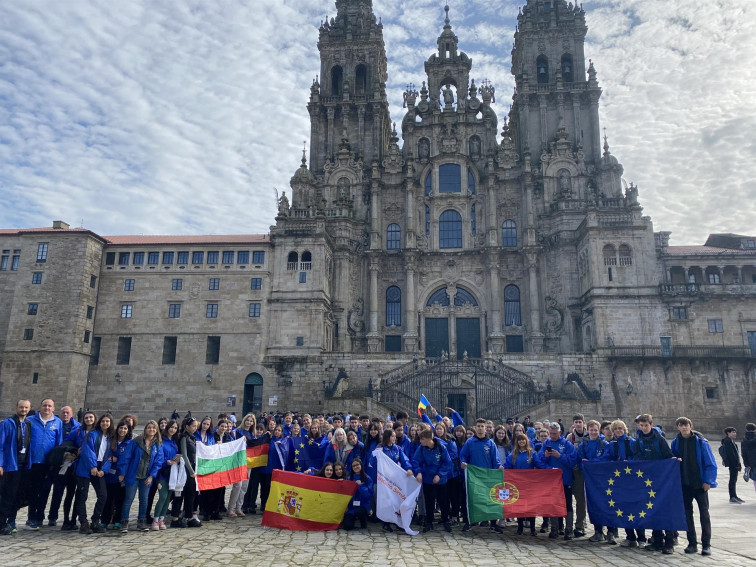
(137, 240)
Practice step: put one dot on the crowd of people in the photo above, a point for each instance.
(58, 458)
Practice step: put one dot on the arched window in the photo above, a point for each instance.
(450, 230)
(567, 68)
(306, 260)
(509, 234)
(360, 80)
(393, 307)
(512, 314)
(393, 237)
(625, 255)
(292, 261)
(428, 182)
(470, 181)
(463, 297)
(610, 255)
(438, 298)
(542, 69)
(450, 178)
(427, 220)
(337, 80)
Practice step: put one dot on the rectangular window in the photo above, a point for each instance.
(128, 285)
(32, 309)
(123, 356)
(110, 258)
(211, 312)
(714, 278)
(393, 343)
(300, 341)
(153, 258)
(302, 277)
(514, 343)
(94, 355)
(37, 278)
(93, 281)
(35, 377)
(174, 310)
(126, 311)
(28, 334)
(4, 263)
(90, 311)
(198, 257)
(258, 257)
(712, 394)
(715, 326)
(256, 283)
(169, 350)
(167, 258)
(177, 284)
(214, 284)
(42, 252)
(212, 352)
(138, 258)
(679, 313)
(228, 257)
(87, 334)
(254, 309)
(123, 258)
(14, 263)
(182, 258)
(242, 257)
(212, 257)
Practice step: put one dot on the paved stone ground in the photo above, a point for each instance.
(243, 541)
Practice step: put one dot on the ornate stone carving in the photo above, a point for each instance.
(555, 313)
(355, 323)
(393, 212)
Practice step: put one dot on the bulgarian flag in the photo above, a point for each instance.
(221, 465)
(302, 502)
(257, 452)
(494, 494)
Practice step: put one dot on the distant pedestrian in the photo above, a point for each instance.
(731, 460)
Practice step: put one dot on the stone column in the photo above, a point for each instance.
(536, 337)
(451, 292)
(495, 336)
(595, 130)
(542, 107)
(373, 337)
(410, 316)
(331, 113)
(360, 128)
(576, 117)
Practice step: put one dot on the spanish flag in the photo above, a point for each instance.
(257, 452)
(301, 502)
(422, 404)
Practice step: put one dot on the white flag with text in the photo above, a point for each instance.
(396, 494)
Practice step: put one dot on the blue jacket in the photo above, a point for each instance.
(331, 454)
(567, 457)
(363, 495)
(88, 451)
(620, 449)
(480, 453)
(591, 450)
(210, 437)
(405, 444)
(274, 459)
(132, 456)
(169, 452)
(358, 451)
(8, 445)
(524, 462)
(121, 448)
(44, 437)
(432, 462)
(707, 465)
(395, 454)
(453, 451)
(651, 447)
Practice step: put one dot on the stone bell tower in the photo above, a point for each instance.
(348, 101)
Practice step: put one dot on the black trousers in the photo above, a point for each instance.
(435, 493)
(40, 481)
(187, 498)
(62, 483)
(570, 513)
(351, 517)
(82, 493)
(210, 501)
(113, 503)
(635, 535)
(9, 496)
(734, 473)
(458, 498)
(702, 499)
(264, 489)
(151, 497)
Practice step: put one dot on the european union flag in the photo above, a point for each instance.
(311, 453)
(635, 494)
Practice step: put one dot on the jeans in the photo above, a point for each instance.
(702, 499)
(128, 499)
(62, 483)
(164, 499)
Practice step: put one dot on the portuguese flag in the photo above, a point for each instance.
(493, 494)
(257, 452)
(302, 502)
(221, 465)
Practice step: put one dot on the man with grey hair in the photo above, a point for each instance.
(47, 433)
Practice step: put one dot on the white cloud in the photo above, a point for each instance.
(181, 117)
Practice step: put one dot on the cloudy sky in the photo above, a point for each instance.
(182, 116)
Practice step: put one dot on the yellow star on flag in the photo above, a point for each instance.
(301, 445)
(611, 482)
(296, 451)
(651, 494)
(309, 441)
(650, 505)
(648, 482)
(608, 491)
(642, 514)
(296, 460)
(611, 503)
(619, 513)
(639, 473)
(631, 517)
(616, 473)
(628, 470)
(299, 469)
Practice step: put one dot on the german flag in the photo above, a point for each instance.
(301, 502)
(257, 452)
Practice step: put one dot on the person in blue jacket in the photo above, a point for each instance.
(393, 452)
(591, 449)
(141, 464)
(119, 444)
(47, 433)
(433, 467)
(558, 453)
(359, 505)
(452, 485)
(63, 483)
(403, 440)
(15, 440)
(523, 456)
(171, 456)
(357, 451)
(90, 468)
(698, 473)
(480, 451)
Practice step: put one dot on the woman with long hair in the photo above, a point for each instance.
(205, 431)
(211, 500)
(339, 472)
(119, 444)
(142, 463)
(247, 429)
(357, 451)
(171, 456)
(338, 448)
(523, 456)
(458, 495)
(91, 467)
(393, 452)
(359, 506)
(373, 438)
(326, 471)
(188, 451)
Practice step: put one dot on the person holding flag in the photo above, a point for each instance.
(524, 457)
(389, 448)
(359, 506)
(558, 453)
(480, 451)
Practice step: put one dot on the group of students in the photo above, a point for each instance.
(45, 453)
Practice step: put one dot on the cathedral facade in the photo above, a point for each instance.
(503, 267)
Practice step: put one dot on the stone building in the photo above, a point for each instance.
(502, 269)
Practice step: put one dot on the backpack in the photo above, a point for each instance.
(723, 454)
(57, 455)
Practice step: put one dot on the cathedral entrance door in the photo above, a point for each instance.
(468, 337)
(436, 336)
(253, 390)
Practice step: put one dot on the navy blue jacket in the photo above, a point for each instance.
(651, 447)
(567, 457)
(480, 453)
(620, 449)
(363, 495)
(9, 445)
(432, 462)
(523, 461)
(88, 451)
(707, 465)
(591, 450)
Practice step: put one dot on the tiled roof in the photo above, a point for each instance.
(137, 240)
(43, 229)
(707, 251)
